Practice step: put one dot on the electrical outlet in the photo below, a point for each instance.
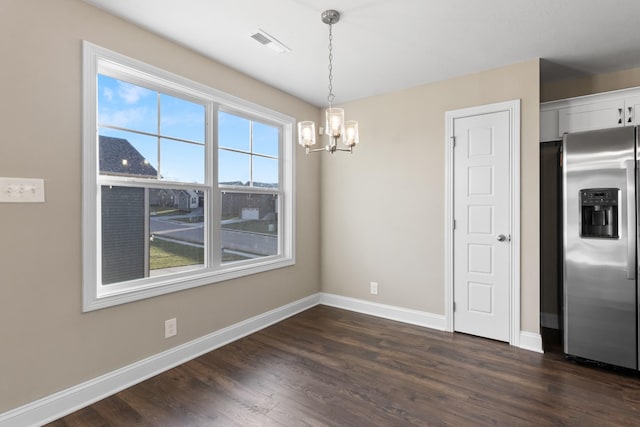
(373, 288)
(170, 327)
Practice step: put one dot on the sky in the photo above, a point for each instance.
(135, 108)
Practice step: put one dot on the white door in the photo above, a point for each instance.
(482, 232)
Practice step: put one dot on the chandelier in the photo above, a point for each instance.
(335, 125)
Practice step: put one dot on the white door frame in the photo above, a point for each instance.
(513, 107)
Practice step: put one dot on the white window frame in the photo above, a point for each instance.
(98, 296)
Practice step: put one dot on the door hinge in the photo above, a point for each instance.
(453, 141)
(454, 224)
(454, 306)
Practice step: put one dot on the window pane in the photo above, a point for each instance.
(249, 226)
(175, 220)
(265, 139)
(233, 132)
(127, 154)
(177, 227)
(126, 105)
(265, 172)
(181, 119)
(181, 161)
(233, 168)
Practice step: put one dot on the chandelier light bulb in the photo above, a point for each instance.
(335, 122)
(306, 133)
(351, 136)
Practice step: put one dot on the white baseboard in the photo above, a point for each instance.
(531, 341)
(550, 320)
(414, 317)
(67, 401)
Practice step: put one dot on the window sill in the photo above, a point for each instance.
(110, 295)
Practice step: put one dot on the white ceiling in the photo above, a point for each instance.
(386, 45)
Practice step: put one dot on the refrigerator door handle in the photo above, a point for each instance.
(631, 219)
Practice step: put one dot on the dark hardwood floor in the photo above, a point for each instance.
(329, 367)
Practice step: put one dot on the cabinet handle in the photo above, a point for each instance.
(619, 116)
(630, 115)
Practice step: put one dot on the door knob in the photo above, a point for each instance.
(501, 237)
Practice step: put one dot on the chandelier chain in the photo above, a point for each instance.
(331, 96)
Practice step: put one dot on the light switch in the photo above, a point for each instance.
(21, 190)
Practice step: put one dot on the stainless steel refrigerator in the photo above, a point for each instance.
(599, 247)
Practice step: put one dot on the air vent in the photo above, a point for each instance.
(271, 42)
(261, 38)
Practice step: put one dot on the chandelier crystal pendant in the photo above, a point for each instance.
(335, 127)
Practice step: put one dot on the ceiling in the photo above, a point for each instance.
(382, 46)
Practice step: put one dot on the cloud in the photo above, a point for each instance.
(108, 93)
(123, 118)
(183, 119)
(132, 93)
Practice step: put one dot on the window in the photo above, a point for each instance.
(248, 175)
(183, 185)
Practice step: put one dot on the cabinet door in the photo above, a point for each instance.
(632, 111)
(599, 115)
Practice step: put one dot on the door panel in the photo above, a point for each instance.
(482, 213)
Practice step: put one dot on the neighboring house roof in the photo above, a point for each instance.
(255, 184)
(164, 191)
(189, 193)
(234, 183)
(112, 153)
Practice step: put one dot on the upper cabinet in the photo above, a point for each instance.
(597, 115)
(632, 110)
(599, 111)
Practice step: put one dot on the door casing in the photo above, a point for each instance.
(513, 107)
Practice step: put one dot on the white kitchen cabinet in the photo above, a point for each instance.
(598, 115)
(599, 111)
(632, 111)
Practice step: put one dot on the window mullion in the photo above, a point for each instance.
(251, 153)
(158, 146)
(214, 245)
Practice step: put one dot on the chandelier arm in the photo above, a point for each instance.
(315, 150)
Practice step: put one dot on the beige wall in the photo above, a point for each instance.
(588, 85)
(46, 343)
(382, 207)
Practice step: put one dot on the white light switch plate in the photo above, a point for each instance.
(21, 190)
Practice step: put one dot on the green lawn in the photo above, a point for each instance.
(227, 257)
(163, 211)
(163, 254)
(256, 226)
